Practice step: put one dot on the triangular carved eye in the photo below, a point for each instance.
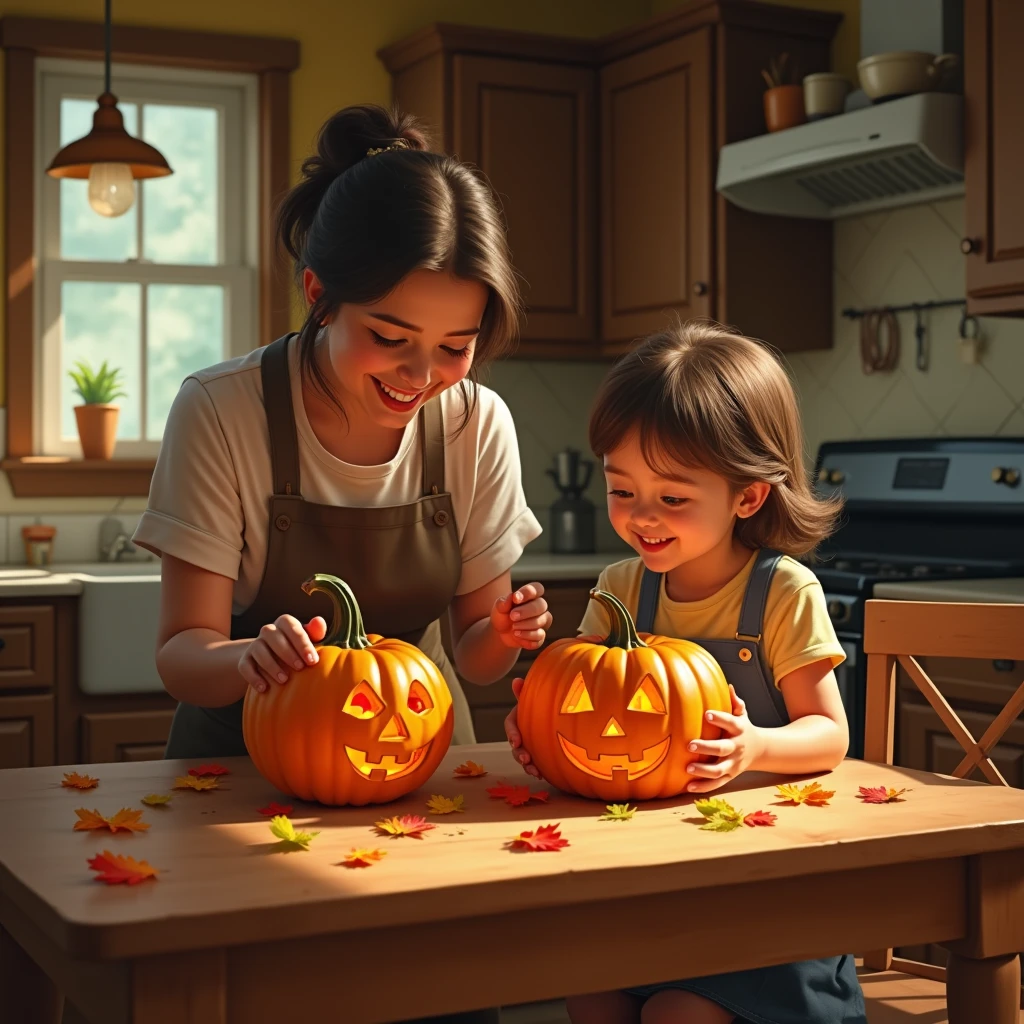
(363, 702)
(419, 700)
(578, 697)
(647, 698)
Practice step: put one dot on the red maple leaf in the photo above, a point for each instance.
(209, 769)
(879, 794)
(759, 818)
(115, 869)
(412, 825)
(545, 839)
(517, 796)
(274, 808)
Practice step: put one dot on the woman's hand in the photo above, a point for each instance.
(283, 646)
(519, 752)
(737, 751)
(521, 618)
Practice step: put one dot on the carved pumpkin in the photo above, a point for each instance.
(613, 718)
(368, 723)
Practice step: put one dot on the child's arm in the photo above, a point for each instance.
(816, 738)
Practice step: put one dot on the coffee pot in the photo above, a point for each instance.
(572, 515)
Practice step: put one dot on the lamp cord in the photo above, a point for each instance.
(106, 43)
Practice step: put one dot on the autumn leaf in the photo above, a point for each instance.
(363, 858)
(715, 806)
(72, 780)
(880, 795)
(274, 808)
(759, 818)
(283, 828)
(204, 784)
(157, 799)
(116, 869)
(618, 812)
(812, 794)
(721, 823)
(445, 804)
(517, 796)
(469, 770)
(209, 769)
(126, 820)
(546, 839)
(412, 825)
(500, 791)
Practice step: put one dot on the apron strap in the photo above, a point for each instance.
(277, 400)
(432, 433)
(647, 606)
(756, 596)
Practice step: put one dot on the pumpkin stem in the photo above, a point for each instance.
(623, 630)
(346, 627)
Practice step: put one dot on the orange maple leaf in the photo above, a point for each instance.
(759, 818)
(517, 796)
(209, 769)
(812, 794)
(545, 839)
(362, 858)
(72, 780)
(274, 808)
(880, 795)
(126, 820)
(115, 869)
(469, 769)
(203, 784)
(412, 825)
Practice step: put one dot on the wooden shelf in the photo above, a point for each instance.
(54, 476)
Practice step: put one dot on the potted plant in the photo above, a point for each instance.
(97, 416)
(784, 100)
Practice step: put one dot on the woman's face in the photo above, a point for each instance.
(389, 357)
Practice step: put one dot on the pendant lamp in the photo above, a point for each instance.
(108, 156)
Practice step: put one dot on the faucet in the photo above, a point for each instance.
(114, 542)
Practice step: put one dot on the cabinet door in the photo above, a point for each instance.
(26, 731)
(27, 646)
(531, 128)
(125, 736)
(656, 188)
(994, 156)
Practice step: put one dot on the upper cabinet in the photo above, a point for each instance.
(603, 155)
(994, 156)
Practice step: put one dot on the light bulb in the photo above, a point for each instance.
(111, 189)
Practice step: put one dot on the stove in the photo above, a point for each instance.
(933, 509)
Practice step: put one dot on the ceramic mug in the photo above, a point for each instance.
(825, 94)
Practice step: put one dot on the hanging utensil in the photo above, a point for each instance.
(921, 338)
(970, 337)
(874, 358)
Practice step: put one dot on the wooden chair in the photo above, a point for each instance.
(897, 633)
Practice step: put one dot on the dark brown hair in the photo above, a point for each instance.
(703, 395)
(363, 222)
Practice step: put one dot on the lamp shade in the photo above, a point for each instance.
(108, 143)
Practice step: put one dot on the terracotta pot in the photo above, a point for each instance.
(97, 429)
(784, 107)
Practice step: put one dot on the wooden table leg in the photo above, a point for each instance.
(29, 997)
(181, 988)
(983, 990)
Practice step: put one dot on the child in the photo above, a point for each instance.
(700, 435)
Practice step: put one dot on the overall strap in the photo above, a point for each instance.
(756, 596)
(432, 433)
(647, 606)
(277, 400)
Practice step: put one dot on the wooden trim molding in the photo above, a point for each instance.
(24, 40)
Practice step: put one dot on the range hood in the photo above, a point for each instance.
(903, 151)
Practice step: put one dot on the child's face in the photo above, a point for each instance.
(672, 519)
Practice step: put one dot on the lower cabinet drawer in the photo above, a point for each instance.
(27, 731)
(125, 736)
(27, 642)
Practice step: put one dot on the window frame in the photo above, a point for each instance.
(25, 40)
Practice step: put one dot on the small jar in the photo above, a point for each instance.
(38, 543)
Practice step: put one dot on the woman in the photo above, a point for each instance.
(360, 447)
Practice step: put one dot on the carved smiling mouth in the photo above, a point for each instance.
(388, 767)
(613, 766)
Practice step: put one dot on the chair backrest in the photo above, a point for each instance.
(900, 632)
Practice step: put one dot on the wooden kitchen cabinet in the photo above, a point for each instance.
(993, 156)
(26, 731)
(125, 735)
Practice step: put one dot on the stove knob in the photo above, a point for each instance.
(823, 475)
(837, 611)
(1006, 475)
(837, 476)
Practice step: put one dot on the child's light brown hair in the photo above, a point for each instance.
(703, 395)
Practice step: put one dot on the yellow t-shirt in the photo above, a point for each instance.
(796, 630)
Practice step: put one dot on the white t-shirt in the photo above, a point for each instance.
(209, 497)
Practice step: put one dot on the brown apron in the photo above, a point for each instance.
(403, 563)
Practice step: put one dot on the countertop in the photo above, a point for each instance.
(1004, 591)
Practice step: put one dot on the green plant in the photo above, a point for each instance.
(99, 387)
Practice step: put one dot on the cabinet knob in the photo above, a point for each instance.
(3, 643)
(1006, 475)
(970, 245)
(700, 288)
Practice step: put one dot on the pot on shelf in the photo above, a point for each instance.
(97, 429)
(784, 107)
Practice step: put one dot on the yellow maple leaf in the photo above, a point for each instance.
(469, 770)
(812, 794)
(205, 782)
(445, 804)
(618, 812)
(72, 780)
(363, 858)
(412, 825)
(157, 799)
(284, 829)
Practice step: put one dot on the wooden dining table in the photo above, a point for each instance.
(238, 928)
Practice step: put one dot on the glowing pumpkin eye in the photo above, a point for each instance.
(363, 703)
(419, 700)
(578, 697)
(647, 698)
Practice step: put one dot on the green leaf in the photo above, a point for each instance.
(97, 387)
(282, 827)
(721, 823)
(618, 812)
(715, 805)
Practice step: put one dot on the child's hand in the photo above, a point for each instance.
(521, 618)
(515, 739)
(736, 751)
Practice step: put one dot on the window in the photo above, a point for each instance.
(169, 286)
